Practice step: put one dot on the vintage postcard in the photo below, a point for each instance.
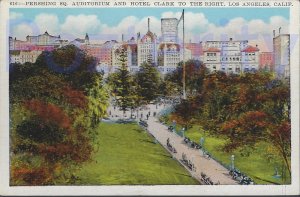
(145, 97)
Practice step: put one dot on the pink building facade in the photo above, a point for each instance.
(266, 61)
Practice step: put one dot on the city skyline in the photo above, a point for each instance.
(201, 24)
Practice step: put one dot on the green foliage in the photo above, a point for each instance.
(256, 161)
(53, 111)
(149, 82)
(37, 130)
(194, 72)
(246, 109)
(123, 86)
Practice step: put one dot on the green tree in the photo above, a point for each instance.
(123, 86)
(195, 72)
(148, 80)
(54, 105)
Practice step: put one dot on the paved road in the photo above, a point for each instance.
(214, 170)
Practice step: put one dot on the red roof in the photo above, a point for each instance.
(212, 50)
(196, 48)
(150, 34)
(133, 47)
(250, 49)
(169, 45)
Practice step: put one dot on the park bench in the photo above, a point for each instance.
(170, 147)
(240, 177)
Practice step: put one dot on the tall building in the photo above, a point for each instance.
(195, 49)
(266, 61)
(44, 39)
(231, 55)
(281, 49)
(105, 55)
(169, 29)
(23, 56)
(147, 48)
(130, 50)
(230, 44)
(92, 50)
(15, 44)
(168, 57)
(235, 56)
(212, 59)
(79, 41)
(250, 59)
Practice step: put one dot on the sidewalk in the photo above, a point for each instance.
(210, 167)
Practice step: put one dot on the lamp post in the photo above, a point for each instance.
(202, 139)
(174, 125)
(183, 132)
(232, 162)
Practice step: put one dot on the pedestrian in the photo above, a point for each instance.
(154, 114)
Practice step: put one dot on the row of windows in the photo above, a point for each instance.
(212, 60)
(231, 59)
(211, 54)
(146, 51)
(231, 54)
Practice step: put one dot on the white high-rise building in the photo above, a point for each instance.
(169, 30)
(250, 59)
(281, 49)
(44, 39)
(212, 59)
(168, 57)
(147, 48)
(235, 56)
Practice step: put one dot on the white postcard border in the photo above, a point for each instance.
(5, 189)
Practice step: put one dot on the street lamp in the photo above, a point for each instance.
(202, 139)
(183, 131)
(232, 162)
(174, 125)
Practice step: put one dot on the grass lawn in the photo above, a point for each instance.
(256, 165)
(127, 155)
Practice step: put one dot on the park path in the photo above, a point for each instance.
(215, 171)
(210, 167)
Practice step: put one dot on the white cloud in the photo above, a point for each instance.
(239, 27)
(20, 31)
(194, 23)
(47, 22)
(197, 27)
(15, 15)
(256, 31)
(81, 24)
(171, 15)
(131, 25)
